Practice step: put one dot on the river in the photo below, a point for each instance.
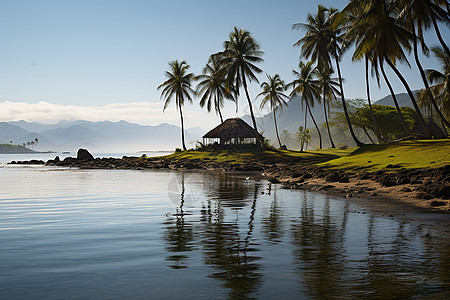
(118, 234)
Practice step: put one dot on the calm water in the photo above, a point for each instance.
(97, 234)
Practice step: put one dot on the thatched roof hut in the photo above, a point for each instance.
(232, 131)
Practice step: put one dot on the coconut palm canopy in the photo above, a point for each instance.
(234, 128)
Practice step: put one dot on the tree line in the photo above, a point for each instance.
(380, 32)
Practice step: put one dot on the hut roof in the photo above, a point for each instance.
(232, 128)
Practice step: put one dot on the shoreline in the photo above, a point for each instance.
(425, 188)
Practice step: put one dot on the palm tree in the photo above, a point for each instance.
(441, 89)
(420, 14)
(273, 94)
(308, 87)
(303, 135)
(378, 33)
(178, 84)
(213, 87)
(239, 58)
(329, 89)
(322, 42)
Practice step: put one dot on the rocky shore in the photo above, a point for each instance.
(425, 187)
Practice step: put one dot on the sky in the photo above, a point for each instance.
(103, 59)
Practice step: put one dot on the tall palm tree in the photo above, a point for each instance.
(306, 85)
(441, 78)
(419, 13)
(273, 95)
(239, 58)
(322, 43)
(329, 87)
(213, 87)
(178, 84)
(379, 34)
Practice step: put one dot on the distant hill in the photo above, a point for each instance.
(14, 149)
(402, 99)
(103, 136)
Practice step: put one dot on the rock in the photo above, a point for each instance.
(83, 154)
(57, 159)
(437, 203)
(274, 180)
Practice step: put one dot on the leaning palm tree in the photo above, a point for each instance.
(239, 58)
(273, 95)
(378, 33)
(329, 87)
(213, 87)
(420, 14)
(178, 84)
(322, 43)
(308, 87)
(441, 78)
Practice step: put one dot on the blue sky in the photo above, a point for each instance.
(95, 53)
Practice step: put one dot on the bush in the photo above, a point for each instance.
(177, 150)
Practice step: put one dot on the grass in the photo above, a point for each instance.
(406, 154)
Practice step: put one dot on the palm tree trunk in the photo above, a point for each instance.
(368, 135)
(399, 112)
(251, 112)
(358, 143)
(425, 81)
(218, 107)
(315, 124)
(438, 33)
(374, 121)
(413, 100)
(182, 128)
(276, 127)
(326, 120)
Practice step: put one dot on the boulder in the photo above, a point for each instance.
(83, 154)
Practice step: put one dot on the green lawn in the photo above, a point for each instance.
(407, 154)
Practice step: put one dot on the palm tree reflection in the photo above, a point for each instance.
(179, 235)
(319, 251)
(224, 249)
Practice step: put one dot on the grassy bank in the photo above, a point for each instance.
(405, 154)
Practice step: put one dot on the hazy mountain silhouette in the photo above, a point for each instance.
(103, 136)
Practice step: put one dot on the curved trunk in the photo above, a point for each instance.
(315, 125)
(259, 142)
(326, 120)
(368, 135)
(276, 127)
(399, 112)
(358, 143)
(413, 100)
(425, 81)
(438, 33)
(182, 128)
(374, 121)
(216, 101)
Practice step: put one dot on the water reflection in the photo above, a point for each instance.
(319, 252)
(233, 191)
(231, 255)
(337, 249)
(179, 234)
(273, 223)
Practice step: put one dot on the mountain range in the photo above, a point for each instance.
(123, 136)
(103, 136)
